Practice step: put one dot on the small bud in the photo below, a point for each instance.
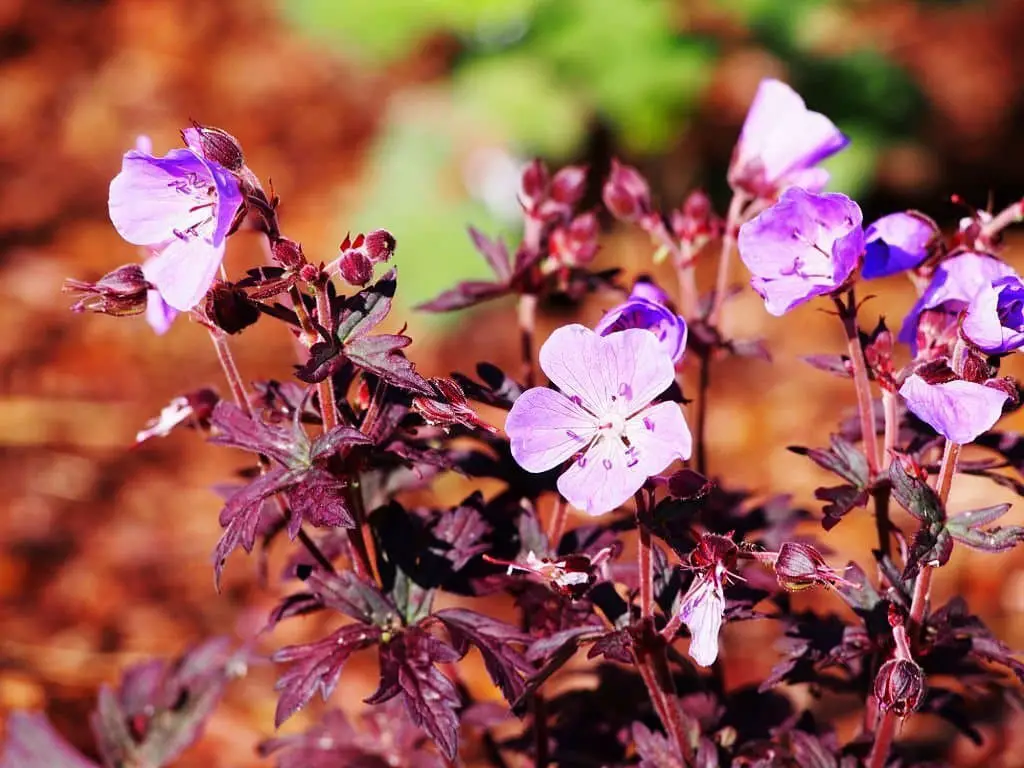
(379, 245)
(878, 355)
(229, 308)
(355, 267)
(695, 222)
(576, 244)
(119, 293)
(288, 253)
(215, 145)
(800, 566)
(569, 184)
(534, 185)
(626, 193)
(900, 686)
(311, 273)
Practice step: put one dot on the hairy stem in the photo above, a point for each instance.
(645, 564)
(325, 388)
(883, 741)
(556, 527)
(664, 708)
(883, 491)
(527, 315)
(1011, 214)
(700, 426)
(732, 224)
(865, 407)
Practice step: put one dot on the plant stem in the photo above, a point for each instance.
(689, 297)
(645, 564)
(700, 426)
(325, 388)
(883, 491)
(865, 407)
(527, 314)
(1011, 214)
(883, 741)
(556, 527)
(227, 363)
(663, 708)
(732, 224)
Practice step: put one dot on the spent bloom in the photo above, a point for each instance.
(958, 410)
(955, 284)
(995, 317)
(603, 418)
(898, 242)
(805, 245)
(782, 143)
(180, 206)
(702, 608)
(646, 308)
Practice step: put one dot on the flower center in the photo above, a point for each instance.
(615, 424)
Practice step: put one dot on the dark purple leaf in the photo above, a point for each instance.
(461, 532)
(495, 253)
(32, 742)
(932, 545)
(319, 498)
(347, 593)
(465, 295)
(842, 499)
(965, 528)
(842, 458)
(382, 355)
(654, 749)
(365, 310)
(496, 642)
(614, 646)
(326, 445)
(407, 666)
(498, 388)
(915, 495)
(837, 365)
(325, 359)
(233, 427)
(316, 667)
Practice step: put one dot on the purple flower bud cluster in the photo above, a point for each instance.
(597, 514)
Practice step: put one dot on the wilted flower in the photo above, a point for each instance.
(181, 206)
(191, 409)
(602, 418)
(898, 242)
(805, 245)
(900, 686)
(645, 308)
(800, 566)
(119, 293)
(958, 410)
(781, 144)
(570, 576)
(954, 285)
(702, 608)
(995, 317)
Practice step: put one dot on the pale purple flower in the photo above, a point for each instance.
(995, 318)
(181, 206)
(955, 284)
(159, 314)
(782, 143)
(702, 610)
(645, 308)
(958, 410)
(602, 419)
(805, 245)
(897, 242)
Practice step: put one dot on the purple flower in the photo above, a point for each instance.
(897, 242)
(995, 318)
(958, 410)
(602, 418)
(957, 281)
(781, 144)
(702, 610)
(805, 245)
(645, 308)
(181, 206)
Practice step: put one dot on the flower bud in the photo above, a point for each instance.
(355, 267)
(695, 222)
(626, 193)
(288, 253)
(379, 245)
(569, 184)
(215, 145)
(534, 185)
(800, 566)
(576, 244)
(900, 686)
(119, 293)
(229, 308)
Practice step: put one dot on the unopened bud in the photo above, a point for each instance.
(119, 293)
(569, 184)
(215, 145)
(229, 308)
(355, 267)
(900, 686)
(626, 193)
(576, 244)
(379, 245)
(695, 222)
(800, 566)
(288, 253)
(534, 185)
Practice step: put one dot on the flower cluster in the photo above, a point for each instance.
(589, 445)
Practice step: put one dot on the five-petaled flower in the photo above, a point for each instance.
(646, 308)
(603, 419)
(782, 143)
(805, 245)
(995, 317)
(181, 206)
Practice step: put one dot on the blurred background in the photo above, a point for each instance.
(416, 116)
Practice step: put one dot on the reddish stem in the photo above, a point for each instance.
(732, 225)
(865, 407)
(645, 564)
(527, 315)
(556, 527)
(227, 363)
(883, 741)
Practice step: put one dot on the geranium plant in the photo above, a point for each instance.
(597, 421)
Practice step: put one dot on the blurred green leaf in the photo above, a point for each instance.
(853, 169)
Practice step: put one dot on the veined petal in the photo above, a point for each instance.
(229, 197)
(546, 428)
(658, 436)
(159, 314)
(702, 609)
(981, 323)
(958, 410)
(616, 374)
(602, 479)
(184, 269)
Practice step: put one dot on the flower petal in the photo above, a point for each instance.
(159, 314)
(546, 428)
(619, 374)
(702, 609)
(657, 437)
(184, 269)
(958, 410)
(897, 242)
(602, 479)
